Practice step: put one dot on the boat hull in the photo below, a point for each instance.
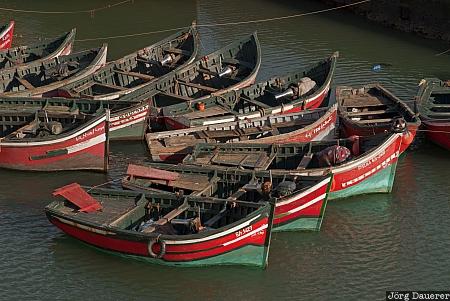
(244, 244)
(6, 36)
(50, 90)
(129, 124)
(438, 133)
(322, 129)
(303, 211)
(372, 174)
(83, 150)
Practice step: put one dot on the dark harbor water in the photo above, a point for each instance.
(368, 244)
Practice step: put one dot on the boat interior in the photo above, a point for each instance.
(237, 131)
(371, 105)
(156, 213)
(294, 156)
(137, 68)
(22, 55)
(209, 182)
(439, 104)
(214, 73)
(54, 70)
(37, 123)
(266, 95)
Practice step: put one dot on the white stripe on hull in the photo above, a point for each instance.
(304, 193)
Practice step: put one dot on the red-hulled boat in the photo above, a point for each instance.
(434, 106)
(305, 89)
(52, 138)
(368, 166)
(371, 110)
(300, 201)
(166, 228)
(6, 35)
(305, 126)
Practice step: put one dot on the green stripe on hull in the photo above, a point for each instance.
(132, 132)
(247, 256)
(380, 182)
(301, 224)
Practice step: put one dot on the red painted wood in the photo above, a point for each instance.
(438, 132)
(182, 252)
(23, 155)
(6, 36)
(79, 197)
(313, 210)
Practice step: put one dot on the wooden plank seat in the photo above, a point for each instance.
(256, 102)
(208, 112)
(250, 160)
(168, 217)
(29, 128)
(198, 86)
(358, 101)
(135, 74)
(110, 86)
(151, 173)
(217, 217)
(24, 83)
(207, 71)
(180, 141)
(84, 86)
(305, 161)
(233, 61)
(178, 51)
(367, 113)
(368, 121)
(439, 113)
(182, 97)
(440, 105)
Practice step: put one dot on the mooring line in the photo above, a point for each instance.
(226, 23)
(91, 11)
(105, 183)
(443, 52)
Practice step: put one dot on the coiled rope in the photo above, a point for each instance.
(226, 23)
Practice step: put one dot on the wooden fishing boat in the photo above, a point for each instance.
(138, 69)
(368, 167)
(434, 107)
(230, 68)
(37, 79)
(300, 202)
(372, 109)
(166, 228)
(37, 53)
(305, 89)
(127, 121)
(305, 126)
(50, 138)
(6, 35)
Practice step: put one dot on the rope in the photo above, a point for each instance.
(91, 11)
(443, 52)
(105, 183)
(227, 23)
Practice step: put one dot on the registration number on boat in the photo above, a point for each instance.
(243, 231)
